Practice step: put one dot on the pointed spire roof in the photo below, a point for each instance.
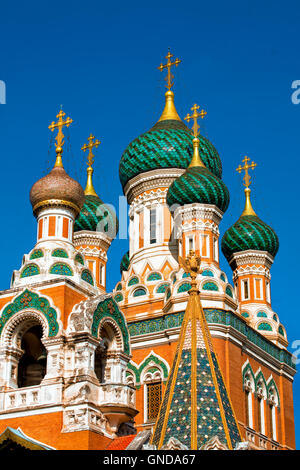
(196, 406)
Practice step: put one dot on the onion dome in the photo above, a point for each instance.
(198, 185)
(249, 233)
(57, 188)
(95, 216)
(168, 144)
(124, 263)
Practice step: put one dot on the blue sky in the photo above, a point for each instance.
(99, 60)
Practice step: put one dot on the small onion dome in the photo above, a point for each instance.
(249, 233)
(124, 262)
(168, 144)
(57, 188)
(95, 216)
(198, 185)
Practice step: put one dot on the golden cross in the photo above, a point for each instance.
(90, 146)
(168, 65)
(59, 125)
(246, 167)
(195, 116)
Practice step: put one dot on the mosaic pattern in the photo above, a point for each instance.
(210, 286)
(95, 216)
(228, 291)
(221, 317)
(265, 327)
(31, 300)
(262, 314)
(185, 287)
(118, 297)
(198, 184)
(30, 270)
(124, 263)
(109, 308)
(60, 253)
(62, 269)
(169, 144)
(154, 277)
(133, 281)
(87, 277)
(79, 259)
(249, 233)
(37, 254)
(138, 292)
(280, 330)
(222, 277)
(162, 288)
(207, 272)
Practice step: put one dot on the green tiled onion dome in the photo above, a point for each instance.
(168, 144)
(94, 211)
(249, 233)
(198, 184)
(124, 262)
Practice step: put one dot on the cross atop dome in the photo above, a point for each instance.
(195, 117)
(60, 136)
(89, 190)
(168, 66)
(246, 167)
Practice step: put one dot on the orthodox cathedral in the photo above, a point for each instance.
(177, 356)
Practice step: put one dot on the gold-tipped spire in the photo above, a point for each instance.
(196, 160)
(248, 210)
(60, 136)
(90, 190)
(169, 111)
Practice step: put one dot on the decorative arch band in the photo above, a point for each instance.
(30, 300)
(109, 308)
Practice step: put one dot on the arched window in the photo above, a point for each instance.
(273, 403)
(249, 387)
(138, 292)
(210, 286)
(109, 346)
(32, 365)
(153, 392)
(261, 396)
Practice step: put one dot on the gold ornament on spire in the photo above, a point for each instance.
(191, 264)
(248, 210)
(60, 136)
(89, 190)
(196, 160)
(169, 111)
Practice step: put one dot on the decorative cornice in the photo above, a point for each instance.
(199, 211)
(85, 237)
(160, 178)
(251, 257)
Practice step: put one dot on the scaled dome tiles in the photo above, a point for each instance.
(168, 144)
(249, 233)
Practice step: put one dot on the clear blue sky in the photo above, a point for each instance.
(99, 59)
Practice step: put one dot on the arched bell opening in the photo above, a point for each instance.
(106, 353)
(33, 363)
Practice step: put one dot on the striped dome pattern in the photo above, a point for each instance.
(96, 216)
(249, 233)
(198, 185)
(124, 263)
(169, 144)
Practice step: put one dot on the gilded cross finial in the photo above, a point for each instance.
(195, 117)
(168, 65)
(89, 190)
(60, 136)
(246, 167)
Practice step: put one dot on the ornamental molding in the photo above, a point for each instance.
(194, 225)
(248, 270)
(252, 257)
(158, 196)
(199, 211)
(98, 239)
(160, 178)
(214, 444)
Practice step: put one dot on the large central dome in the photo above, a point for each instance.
(168, 144)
